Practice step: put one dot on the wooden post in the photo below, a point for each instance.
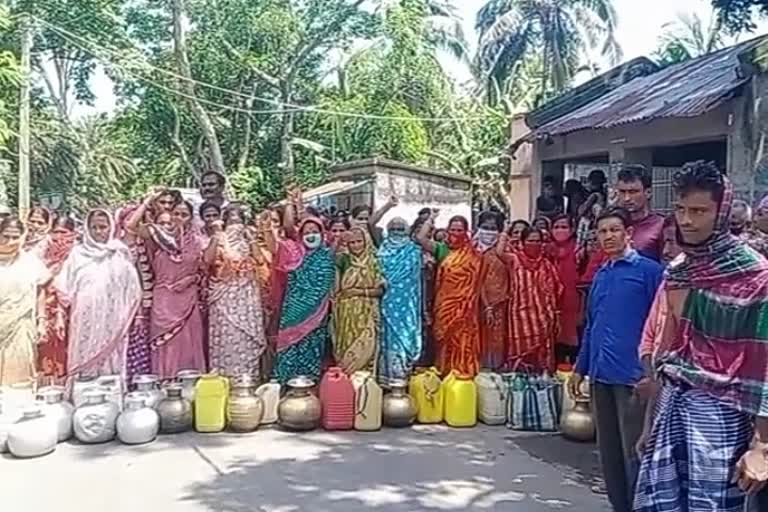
(26, 83)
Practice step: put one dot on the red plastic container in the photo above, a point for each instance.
(337, 396)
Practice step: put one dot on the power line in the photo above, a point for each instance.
(291, 107)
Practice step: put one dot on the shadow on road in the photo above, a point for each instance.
(425, 468)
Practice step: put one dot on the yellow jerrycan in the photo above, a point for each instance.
(210, 403)
(460, 400)
(368, 401)
(425, 387)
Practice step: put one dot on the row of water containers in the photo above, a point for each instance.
(457, 400)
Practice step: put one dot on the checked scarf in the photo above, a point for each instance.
(721, 342)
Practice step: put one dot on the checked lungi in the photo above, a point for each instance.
(691, 454)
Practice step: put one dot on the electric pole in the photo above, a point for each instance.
(26, 84)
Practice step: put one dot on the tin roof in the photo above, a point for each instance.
(688, 89)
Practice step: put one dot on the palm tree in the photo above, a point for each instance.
(688, 37)
(558, 32)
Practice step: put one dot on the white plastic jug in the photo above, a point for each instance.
(270, 395)
(492, 393)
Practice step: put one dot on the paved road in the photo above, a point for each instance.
(431, 468)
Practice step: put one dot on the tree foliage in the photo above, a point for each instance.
(739, 15)
(556, 33)
(687, 38)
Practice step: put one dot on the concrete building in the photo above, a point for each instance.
(373, 181)
(711, 108)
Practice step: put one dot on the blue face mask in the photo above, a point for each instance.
(313, 240)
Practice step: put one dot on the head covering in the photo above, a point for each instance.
(92, 249)
(719, 259)
(34, 238)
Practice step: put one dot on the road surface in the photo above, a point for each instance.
(430, 468)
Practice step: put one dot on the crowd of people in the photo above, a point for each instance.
(665, 315)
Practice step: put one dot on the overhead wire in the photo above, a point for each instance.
(283, 106)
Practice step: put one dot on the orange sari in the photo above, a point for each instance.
(456, 320)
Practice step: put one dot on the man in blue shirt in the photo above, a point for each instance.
(619, 300)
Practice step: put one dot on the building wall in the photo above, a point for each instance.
(417, 191)
(621, 141)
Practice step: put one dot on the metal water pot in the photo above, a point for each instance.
(150, 385)
(188, 379)
(398, 408)
(55, 408)
(95, 420)
(578, 423)
(300, 409)
(175, 411)
(245, 410)
(33, 435)
(138, 423)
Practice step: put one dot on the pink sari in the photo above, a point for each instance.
(176, 325)
(100, 285)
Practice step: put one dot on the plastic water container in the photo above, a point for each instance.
(492, 394)
(337, 396)
(270, 395)
(368, 401)
(426, 389)
(460, 400)
(210, 403)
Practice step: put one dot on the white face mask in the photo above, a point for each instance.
(486, 237)
(313, 240)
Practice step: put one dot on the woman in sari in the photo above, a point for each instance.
(356, 313)
(38, 227)
(101, 287)
(564, 240)
(402, 335)
(535, 292)
(456, 321)
(138, 356)
(20, 275)
(236, 320)
(494, 293)
(52, 350)
(302, 337)
(176, 326)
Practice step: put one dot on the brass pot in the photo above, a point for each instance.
(578, 424)
(175, 411)
(398, 408)
(299, 409)
(245, 410)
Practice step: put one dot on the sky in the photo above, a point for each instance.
(640, 24)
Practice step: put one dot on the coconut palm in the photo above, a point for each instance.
(559, 32)
(689, 37)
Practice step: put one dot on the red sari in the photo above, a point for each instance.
(52, 349)
(535, 292)
(456, 326)
(570, 303)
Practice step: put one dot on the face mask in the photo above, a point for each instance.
(487, 237)
(398, 235)
(313, 240)
(456, 240)
(533, 251)
(561, 235)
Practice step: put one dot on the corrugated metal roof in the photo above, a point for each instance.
(688, 89)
